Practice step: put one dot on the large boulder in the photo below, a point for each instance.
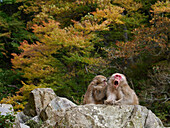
(43, 105)
(106, 116)
(46, 110)
(57, 106)
(38, 100)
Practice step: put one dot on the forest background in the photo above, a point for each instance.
(63, 44)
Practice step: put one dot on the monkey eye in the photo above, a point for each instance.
(118, 76)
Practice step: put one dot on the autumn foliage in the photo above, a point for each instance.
(60, 56)
(63, 44)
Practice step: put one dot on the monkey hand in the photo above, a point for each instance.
(117, 103)
(109, 102)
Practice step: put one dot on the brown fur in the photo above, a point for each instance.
(122, 94)
(96, 91)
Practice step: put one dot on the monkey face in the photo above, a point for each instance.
(117, 79)
(103, 82)
(100, 81)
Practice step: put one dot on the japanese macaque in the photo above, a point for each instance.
(96, 91)
(119, 92)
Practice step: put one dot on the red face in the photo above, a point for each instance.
(117, 79)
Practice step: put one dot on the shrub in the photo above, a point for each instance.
(7, 121)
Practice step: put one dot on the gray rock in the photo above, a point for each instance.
(152, 121)
(24, 126)
(22, 118)
(6, 108)
(106, 116)
(57, 106)
(38, 100)
(4, 111)
(36, 119)
(34, 122)
(49, 110)
(9, 106)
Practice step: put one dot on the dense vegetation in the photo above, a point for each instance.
(63, 44)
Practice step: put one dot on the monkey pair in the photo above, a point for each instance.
(114, 92)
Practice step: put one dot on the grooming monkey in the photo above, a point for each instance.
(96, 91)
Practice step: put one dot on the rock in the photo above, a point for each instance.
(20, 125)
(38, 100)
(36, 119)
(34, 122)
(56, 106)
(106, 116)
(152, 122)
(22, 118)
(24, 126)
(49, 110)
(6, 108)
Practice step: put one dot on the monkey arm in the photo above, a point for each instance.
(119, 101)
(99, 93)
(120, 96)
(88, 95)
(129, 97)
(110, 99)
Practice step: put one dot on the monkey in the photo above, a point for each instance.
(96, 91)
(119, 92)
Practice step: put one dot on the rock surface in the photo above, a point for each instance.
(6, 108)
(106, 116)
(48, 110)
(43, 105)
(56, 106)
(22, 118)
(38, 100)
